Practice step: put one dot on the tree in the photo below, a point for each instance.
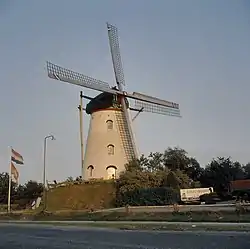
(184, 179)
(20, 194)
(220, 172)
(27, 193)
(32, 189)
(194, 170)
(154, 162)
(154, 174)
(137, 179)
(175, 159)
(4, 188)
(247, 171)
(173, 181)
(143, 187)
(135, 165)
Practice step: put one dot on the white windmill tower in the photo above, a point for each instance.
(110, 143)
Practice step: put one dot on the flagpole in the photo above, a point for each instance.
(9, 192)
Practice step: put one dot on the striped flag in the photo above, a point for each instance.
(14, 172)
(16, 157)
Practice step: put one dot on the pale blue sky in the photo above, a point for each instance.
(196, 53)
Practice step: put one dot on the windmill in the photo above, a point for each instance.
(110, 143)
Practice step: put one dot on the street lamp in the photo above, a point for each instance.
(51, 137)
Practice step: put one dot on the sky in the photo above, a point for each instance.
(195, 53)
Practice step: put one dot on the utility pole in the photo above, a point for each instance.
(80, 108)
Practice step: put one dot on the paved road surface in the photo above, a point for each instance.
(13, 236)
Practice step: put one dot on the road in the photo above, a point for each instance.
(17, 236)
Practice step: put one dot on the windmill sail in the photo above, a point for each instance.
(126, 141)
(123, 121)
(63, 74)
(155, 108)
(115, 53)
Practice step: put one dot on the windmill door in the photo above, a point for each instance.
(111, 172)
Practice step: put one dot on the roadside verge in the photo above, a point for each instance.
(141, 225)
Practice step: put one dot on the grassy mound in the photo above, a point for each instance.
(87, 196)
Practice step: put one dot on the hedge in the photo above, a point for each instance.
(148, 197)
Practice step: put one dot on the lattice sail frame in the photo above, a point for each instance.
(127, 136)
(142, 102)
(154, 108)
(150, 104)
(63, 74)
(115, 53)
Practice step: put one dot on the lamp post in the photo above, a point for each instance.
(44, 170)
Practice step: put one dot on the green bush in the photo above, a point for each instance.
(148, 197)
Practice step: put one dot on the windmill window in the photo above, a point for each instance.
(111, 149)
(90, 170)
(109, 124)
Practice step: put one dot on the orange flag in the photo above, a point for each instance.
(14, 172)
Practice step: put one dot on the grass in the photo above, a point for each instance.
(141, 226)
(134, 221)
(204, 216)
(168, 227)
